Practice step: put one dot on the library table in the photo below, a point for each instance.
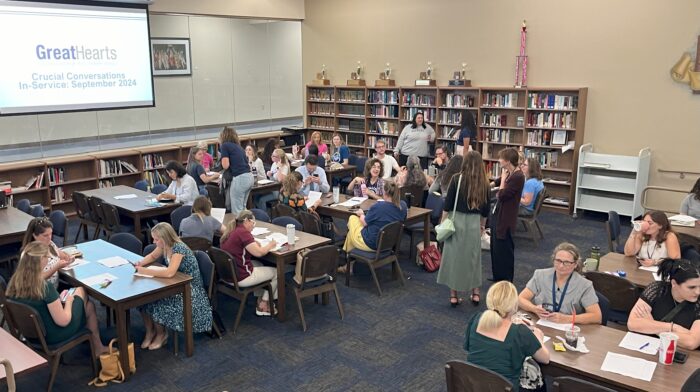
(415, 214)
(261, 189)
(128, 291)
(135, 208)
(612, 262)
(347, 170)
(13, 225)
(600, 340)
(286, 255)
(22, 358)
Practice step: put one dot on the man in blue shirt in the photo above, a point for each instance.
(314, 176)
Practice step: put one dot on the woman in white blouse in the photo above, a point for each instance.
(278, 172)
(654, 241)
(256, 164)
(183, 188)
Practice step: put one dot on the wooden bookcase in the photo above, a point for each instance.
(69, 174)
(321, 111)
(453, 103)
(383, 117)
(19, 173)
(351, 118)
(111, 171)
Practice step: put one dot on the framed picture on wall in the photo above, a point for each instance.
(171, 56)
(558, 138)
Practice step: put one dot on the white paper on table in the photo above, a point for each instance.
(682, 219)
(656, 277)
(629, 366)
(265, 182)
(98, 279)
(355, 201)
(218, 214)
(280, 238)
(75, 263)
(550, 324)
(259, 231)
(313, 196)
(152, 268)
(265, 241)
(114, 261)
(143, 275)
(634, 341)
(653, 268)
(546, 339)
(127, 196)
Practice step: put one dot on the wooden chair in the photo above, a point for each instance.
(320, 262)
(82, 208)
(386, 253)
(31, 326)
(10, 374)
(217, 199)
(197, 243)
(530, 222)
(467, 377)
(573, 384)
(228, 282)
(613, 228)
(417, 192)
(621, 293)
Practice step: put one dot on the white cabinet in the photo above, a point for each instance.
(607, 182)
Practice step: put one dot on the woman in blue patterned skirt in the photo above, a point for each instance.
(168, 312)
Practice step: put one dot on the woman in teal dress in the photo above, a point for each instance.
(61, 320)
(168, 312)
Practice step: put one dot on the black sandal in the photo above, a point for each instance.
(457, 302)
(476, 301)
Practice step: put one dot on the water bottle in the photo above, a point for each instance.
(363, 187)
(595, 253)
(291, 234)
(336, 194)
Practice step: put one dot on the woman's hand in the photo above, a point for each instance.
(560, 318)
(359, 180)
(360, 212)
(271, 245)
(541, 312)
(63, 263)
(647, 262)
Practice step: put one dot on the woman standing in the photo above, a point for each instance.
(505, 217)
(372, 181)
(414, 140)
(196, 169)
(238, 178)
(654, 242)
(466, 140)
(460, 269)
(340, 153)
(278, 172)
(41, 230)
(444, 178)
(183, 188)
(256, 164)
(168, 312)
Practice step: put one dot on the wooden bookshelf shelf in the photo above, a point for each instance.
(551, 110)
(499, 127)
(549, 128)
(32, 190)
(70, 182)
(502, 108)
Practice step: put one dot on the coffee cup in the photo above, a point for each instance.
(640, 226)
(590, 264)
(571, 335)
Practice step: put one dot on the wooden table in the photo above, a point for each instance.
(689, 235)
(415, 214)
(135, 208)
(13, 225)
(261, 189)
(284, 256)
(600, 340)
(129, 291)
(23, 358)
(612, 262)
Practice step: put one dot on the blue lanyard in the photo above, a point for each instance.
(556, 305)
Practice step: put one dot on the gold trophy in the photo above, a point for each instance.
(356, 77)
(426, 78)
(384, 77)
(321, 78)
(459, 78)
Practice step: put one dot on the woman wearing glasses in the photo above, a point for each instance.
(653, 241)
(554, 293)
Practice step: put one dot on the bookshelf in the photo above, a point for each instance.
(321, 111)
(153, 160)
(118, 167)
(383, 117)
(28, 181)
(453, 103)
(351, 117)
(69, 174)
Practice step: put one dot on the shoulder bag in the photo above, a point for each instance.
(445, 229)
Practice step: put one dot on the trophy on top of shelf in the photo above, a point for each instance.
(426, 78)
(385, 77)
(321, 77)
(356, 77)
(521, 60)
(459, 77)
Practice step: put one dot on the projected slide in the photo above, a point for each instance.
(60, 57)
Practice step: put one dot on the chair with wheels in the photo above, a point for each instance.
(386, 253)
(463, 376)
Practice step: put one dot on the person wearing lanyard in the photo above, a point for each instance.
(556, 293)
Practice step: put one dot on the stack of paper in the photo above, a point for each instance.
(355, 201)
(98, 279)
(313, 196)
(264, 182)
(642, 343)
(682, 220)
(259, 231)
(551, 324)
(114, 261)
(629, 366)
(218, 214)
(124, 197)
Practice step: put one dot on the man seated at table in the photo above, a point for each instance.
(554, 293)
(442, 158)
(388, 162)
(670, 305)
(313, 176)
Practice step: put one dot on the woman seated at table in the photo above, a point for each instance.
(201, 223)
(168, 312)
(691, 204)
(533, 186)
(255, 163)
(372, 180)
(412, 174)
(196, 170)
(442, 181)
(670, 305)
(41, 230)
(183, 188)
(554, 293)
(316, 141)
(340, 153)
(61, 320)
(240, 243)
(363, 230)
(290, 193)
(278, 172)
(654, 241)
(493, 341)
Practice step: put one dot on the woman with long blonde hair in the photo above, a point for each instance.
(460, 268)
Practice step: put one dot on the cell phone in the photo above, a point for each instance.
(680, 357)
(133, 265)
(67, 294)
(315, 175)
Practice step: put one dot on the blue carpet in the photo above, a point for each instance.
(399, 341)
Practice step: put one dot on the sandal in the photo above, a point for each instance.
(454, 301)
(476, 301)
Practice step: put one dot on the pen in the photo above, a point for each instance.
(644, 346)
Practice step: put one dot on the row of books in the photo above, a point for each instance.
(354, 139)
(494, 120)
(107, 183)
(319, 122)
(545, 158)
(351, 125)
(416, 99)
(384, 111)
(351, 96)
(501, 100)
(459, 101)
(493, 169)
(542, 137)
(451, 117)
(154, 178)
(390, 142)
(551, 120)
(322, 108)
(498, 136)
(34, 182)
(58, 195)
(153, 161)
(449, 132)
(321, 94)
(351, 110)
(383, 96)
(383, 127)
(428, 114)
(552, 101)
(115, 167)
(56, 175)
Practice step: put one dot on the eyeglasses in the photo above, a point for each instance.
(251, 220)
(565, 263)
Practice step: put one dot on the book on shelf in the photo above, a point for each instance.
(552, 101)
(322, 109)
(351, 110)
(390, 143)
(494, 120)
(556, 181)
(58, 195)
(107, 183)
(428, 114)
(545, 158)
(321, 94)
(449, 132)
(501, 100)
(551, 120)
(459, 101)
(56, 175)
(451, 117)
(384, 111)
(497, 135)
(152, 161)
(557, 200)
(383, 96)
(383, 127)
(417, 99)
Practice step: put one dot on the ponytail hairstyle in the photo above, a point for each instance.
(233, 223)
(501, 303)
(677, 270)
(290, 184)
(201, 207)
(391, 190)
(282, 156)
